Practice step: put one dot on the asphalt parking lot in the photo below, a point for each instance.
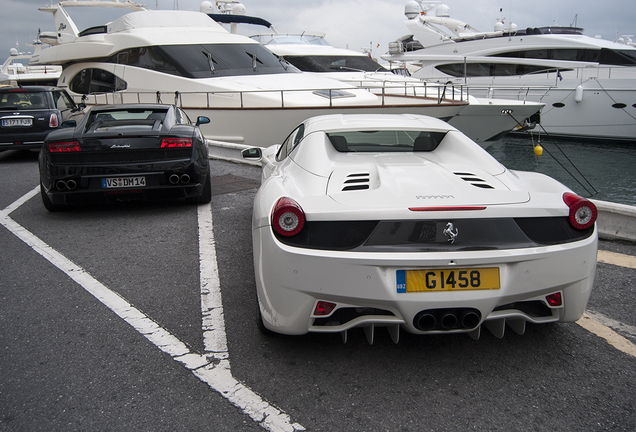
(141, 316)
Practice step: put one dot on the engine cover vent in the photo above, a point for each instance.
(473, 180)
(357, 181)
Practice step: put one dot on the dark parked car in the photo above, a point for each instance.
(125, 152)
(29, 113)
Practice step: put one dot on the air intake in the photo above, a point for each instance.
(473, 180)
(359, 181)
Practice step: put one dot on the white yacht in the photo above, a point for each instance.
(484, 119)
(16, 69)
(588, 84)
(251, 96)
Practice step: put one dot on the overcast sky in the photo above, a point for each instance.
(356, 24)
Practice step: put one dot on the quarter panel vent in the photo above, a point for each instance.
(473, 180)
(356, 181)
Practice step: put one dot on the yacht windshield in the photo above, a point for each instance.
(205, 60)
(337, 63)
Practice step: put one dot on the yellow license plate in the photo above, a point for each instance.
(465, 279)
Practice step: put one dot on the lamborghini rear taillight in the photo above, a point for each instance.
(63, 147)
(176, 142)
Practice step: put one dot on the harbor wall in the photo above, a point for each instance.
(615, 221)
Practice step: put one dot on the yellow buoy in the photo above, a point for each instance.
(538, 150)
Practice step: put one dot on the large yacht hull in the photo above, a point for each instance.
(599, 109)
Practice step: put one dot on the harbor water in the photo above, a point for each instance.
(597, 170)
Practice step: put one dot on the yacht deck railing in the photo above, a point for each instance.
(389, 93)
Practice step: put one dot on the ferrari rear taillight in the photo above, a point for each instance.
(53, 121)
(288, 218)
(63, 147)
(582, 212)
(176, 142)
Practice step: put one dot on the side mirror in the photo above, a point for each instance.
(202, 120)
(69, 124)
(80, 107)
(253, 153)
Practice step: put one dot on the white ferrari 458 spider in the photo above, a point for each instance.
(401, 221)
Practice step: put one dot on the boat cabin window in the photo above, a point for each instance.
(338, 63)
(379, 141)
(604, 56)
(89, 81)
(204, 60)
(492, 69)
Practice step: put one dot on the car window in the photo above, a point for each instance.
(291, 142)
(14, 100)
(374, 141)
(120, 118)
(182, 117)
(62, 100)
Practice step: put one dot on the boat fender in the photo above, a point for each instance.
(578, 94)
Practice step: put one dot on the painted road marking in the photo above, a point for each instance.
(618, 259)
(617, 341)
(215, 374)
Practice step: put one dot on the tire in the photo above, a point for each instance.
(206, 195)
(47, 201)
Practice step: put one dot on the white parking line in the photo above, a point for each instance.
(215, 374)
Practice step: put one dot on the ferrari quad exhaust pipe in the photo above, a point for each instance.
(71, 184)
(173, 179)
(185, 178)
(60, 185)
(447, 319)
(470, 320)
(424, 321)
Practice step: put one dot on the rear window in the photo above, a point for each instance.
(386, 141)
(104, 120)
(23, 100)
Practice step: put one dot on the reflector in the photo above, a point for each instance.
(324, 308)
(554, 300)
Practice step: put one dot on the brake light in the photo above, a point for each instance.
(288, 218)
(176, 142)
(324, 308)
(434, 209)
(63, 147)
(583, 213)
(53, 121)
